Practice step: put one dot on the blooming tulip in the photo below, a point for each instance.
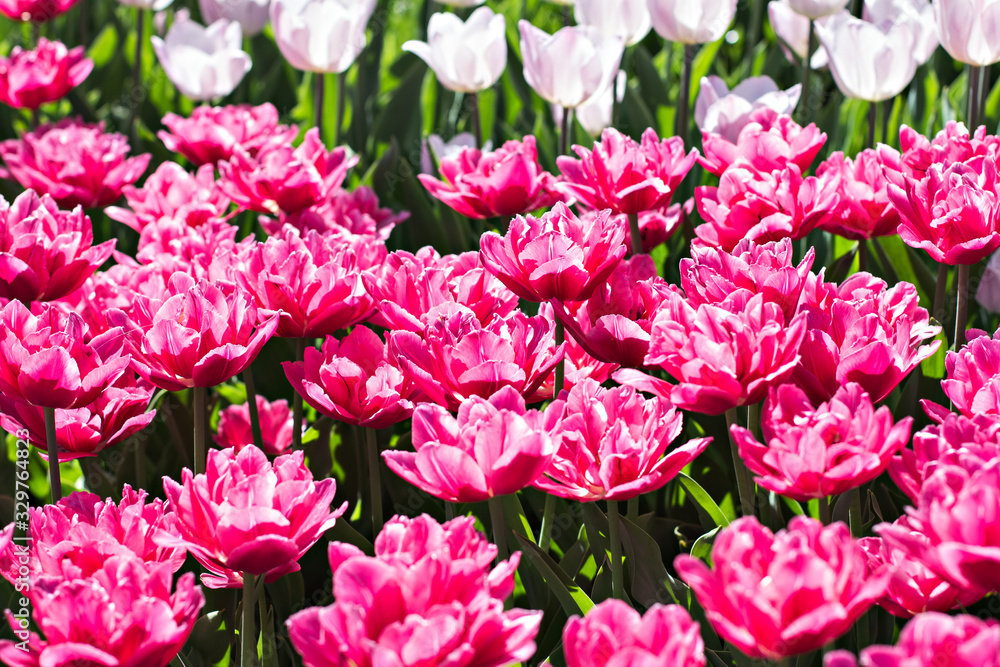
(494, 447)
(275, 425)
(245, 515)
(952, 144)
(75, 163)
(918, 13)
(768, 142)
(38, 11)
(207, 251)
(613, 633)
(250, 14)
(778, 595)
(973, 382)
(595, 115)
(725, 112)
(968, 30)
(344, 214)
(211, 134)
(203, 63)
(937, 639)
(571, 66)
(792, 30)
(692, 22)
(823, 451)
(353, 381)
(627, 19)
(817, 9)
(171, 192)
(988, 292)
(467, 57)
(321, 35)
(505, 182)
(865, 210)
(29, 79)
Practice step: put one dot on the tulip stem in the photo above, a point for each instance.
(560, 379)
(824, 509)
(200, 429)
(743, 481)
(477, 122)
(499, 531)
(940, 292)
(374, 480)
(258, 438)
(615, 538)
(976, 80)
(753, 418)
(545, 537)
(52, 450)
(855, 513)
(633, 509)
(341, 101)
(753, 32)
(684, 95)
(300, 353)
(872, 123)
(248, 634)
(266, 630)
(863, 255)
(807, 73)
(140, 21)
(635, 233)
(962, 311)
(564, 132)
(319, 95)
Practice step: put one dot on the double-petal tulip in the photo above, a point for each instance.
(626, 176)
(725, 112)
(38, 11)
(505, 182)
(952, 144)
(29, 79)
(245, 515)
(252, 15)
(613, 634)
(196, 334)
(45, 253)
(968, 30)
(353, 381)
(276, 426)
(468, 56)
(171, 192)
(212, 134)
(493, 448)
(203, 63)
(614, 445)
(865, 210)
(75, 163)
(556, 256)
(321, 35)
(973, 382)
(817, 452)
(692, 22)
(778, 595)
(768, 142)
(343, 213)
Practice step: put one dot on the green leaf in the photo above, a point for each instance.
(701, 497)
(649, 581)
(702, 547)
(104, 47)
(343, 532)
(570, 596)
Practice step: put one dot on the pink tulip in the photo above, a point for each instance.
(245, 515)
(940, 640)
(865, 210)
(613, 634)
(356, 212)
(725, 112)
(48, 361)
(613, 445)
(862, 332)
(973, 382)
(779, 595)
(505, 182)
(817, 452)
(29, 79)
(38, 11)
(409, 288)
(427, 597)
(124, 614)
(208, 251)
(45, 253)
(285, 179)
(275, 426)
(198, 334)
(555, 256)
(457, 357)
(950, 145)
(353, 381)
(212, 134)
(768, 142)
(494, 448)
(77, 164)
(171, 192)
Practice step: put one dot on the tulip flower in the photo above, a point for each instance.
(197, 334)
(768, 142)
(29, 79)
(212, 134)
(596, 114)
(39, 11)
(935, 639)
(817, 9)
(865, 211)
(353, 381)
(467, 57)
(383, 610)
(967, 29)
(555, 256)
(973, 381)
(494, 447)
(571, 66)
(75, 163)
(950, 145)
(614, 445)
(203, 63)
(245, 515)
(275, 425)
(918, 13)
(626, 176)
(171, 192)
(457, 357)
(124, 614)
(344, 214)
(505, 182)
(988, 292)
(778, 595)
(792, 30)
(321, 35)
(207, 251)
(613, 633)
(626, 19)
(692, 22)
(285, 179)
(818, 452)
(725, 112)
(252, 15)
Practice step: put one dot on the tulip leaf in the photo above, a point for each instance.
(342, 531)
(702, 65)
(701, 497)
(650, 583)
(597, 529)
(702, 547)
(906, 265)
(570, 596)
(714, 659)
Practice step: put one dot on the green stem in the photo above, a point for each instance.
(200, 429)
(753, 31)
(976, 77)
(855, 513)
(753, 418)
(545, 538)
(872, 123)
(248, 634)
(561, 366)
(266, 631)
(52, 450)
(318, 99)
(300, 352)
(962, 311)
(258, 437)
(499, 530)
(940, 293)
(615, 538)
(564, 127)
(477, 122)
(341, 105)
(804, 112)
(140, 463)
(824, 509)
(863, 255)
(743, 481)
(374, 480)
(140, 20)
(635, 233)
(684, 96)
(633, 509)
